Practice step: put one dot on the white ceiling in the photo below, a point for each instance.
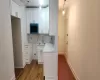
(35, 2)
(44, 2)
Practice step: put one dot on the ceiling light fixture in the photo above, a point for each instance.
(41, 2)
(63, 11)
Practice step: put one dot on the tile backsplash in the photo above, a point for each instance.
(40, 39)
(35, 40)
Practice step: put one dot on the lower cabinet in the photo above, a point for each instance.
(50, 66)
(28, 53)
(40, 56)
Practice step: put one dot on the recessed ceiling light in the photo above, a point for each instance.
(41, 2)
(63, 12)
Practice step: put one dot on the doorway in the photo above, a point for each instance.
(17, 45)
(61, 33)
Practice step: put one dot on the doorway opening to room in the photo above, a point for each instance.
(62, 32)
(17, 47)
(64, 70)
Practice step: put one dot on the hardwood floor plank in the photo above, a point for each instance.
(32, 72)
(18, 72)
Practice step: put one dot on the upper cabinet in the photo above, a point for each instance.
(40, 16)
(15, 9)
(44, 21)
(45, 17)
(53, 17)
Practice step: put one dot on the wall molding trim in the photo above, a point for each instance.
(13, 77)
(73, 71)
(66, 56)
(61, 53)
(20, 67)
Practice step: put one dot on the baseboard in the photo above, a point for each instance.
(66, 56)
(61, 53)
(13, 77)
(24, 65)
(51, 78)
(19, 67)
(73, 71)
(40, 62)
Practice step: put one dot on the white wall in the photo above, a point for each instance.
(61, 32)
(37, 15)
(84, 38)
(23, 30)
(6, 47)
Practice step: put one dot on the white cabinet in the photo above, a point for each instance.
(44, 21)
(28, 53)
(31, 52)
(15, 9)
(40, 54)
(50, 66)
(53, 17)
(40, 16)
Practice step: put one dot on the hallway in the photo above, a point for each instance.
(64, 72)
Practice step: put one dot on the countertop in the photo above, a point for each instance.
(48, 47)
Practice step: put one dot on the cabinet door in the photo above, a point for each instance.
(46, 21)
(50, 65)
(27, 54)
(30, 52)
(40, 57)
(53, 16)
(42, 18)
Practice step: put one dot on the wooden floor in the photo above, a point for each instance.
(35, 71)
(64, 72)
(18, 72)
(32, 72)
